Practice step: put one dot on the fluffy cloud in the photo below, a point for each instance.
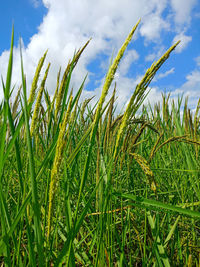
(154, 96)
(164, 74)
(190, 88)
(158, 52)
(192, 81)
(182, 10)
(152, 27)
(185, 40)
(127, 60)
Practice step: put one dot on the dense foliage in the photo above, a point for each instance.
(83, 186)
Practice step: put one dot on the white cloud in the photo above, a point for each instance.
(185, 40)
(152, 27)
(127, 60)
(154, 96)
(182, 10)
(164, 74)
(151, 57)
(193, 81)
(190, 88)
(158, 52)
(197, 15)
(197, 59)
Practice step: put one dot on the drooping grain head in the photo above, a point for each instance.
(139, 94)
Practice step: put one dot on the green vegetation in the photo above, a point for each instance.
(81, 186)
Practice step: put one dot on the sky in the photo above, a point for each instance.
(63, 26)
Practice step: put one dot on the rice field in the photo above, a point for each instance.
(83, 186)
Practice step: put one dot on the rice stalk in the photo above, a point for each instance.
(16, 103)
(139, 95)
(5, 217)
(146, 168)
(191, 124)
(56, 165)
(127, 137)
(36, 78)
(169, 140)
(47, 102)
(139, 133)
(196, 125)
(109, 121)
(166, 115)
(116, 121)
(106, 86)
(190, 141)
(43, 123)
(38, 102)
(185, 116)
(83, 107)
(61, 90)
(98, 171)
(56, 91)
(71, 65)
(111, 73)
(153, 150)
(34, 187)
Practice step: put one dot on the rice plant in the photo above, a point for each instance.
(83, 186)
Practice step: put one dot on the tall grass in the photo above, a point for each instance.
(83, 186)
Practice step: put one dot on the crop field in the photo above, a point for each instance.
(81, 185)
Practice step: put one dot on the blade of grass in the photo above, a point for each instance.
(161, 251)
(3, 205)
(157, 204)
(6, 103)
(36, 206)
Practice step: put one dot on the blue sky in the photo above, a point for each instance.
(26, 17)
(63, 26)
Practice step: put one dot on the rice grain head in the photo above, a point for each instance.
(56, 91)
(110, 76)
(152, 153)
(35, 79)
(169, 140)
(109, 122)
(71, 65)
(38, 101)
(16, 103)
(60, 93)
(146, 168)
(196, 125)
(139, 94)
(56, 164)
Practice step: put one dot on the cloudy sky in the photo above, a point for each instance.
(61, 26)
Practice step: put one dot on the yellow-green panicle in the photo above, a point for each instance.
(57, 162)
(35, 79)
(111, 74)
(38, 101)
(139, 94)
